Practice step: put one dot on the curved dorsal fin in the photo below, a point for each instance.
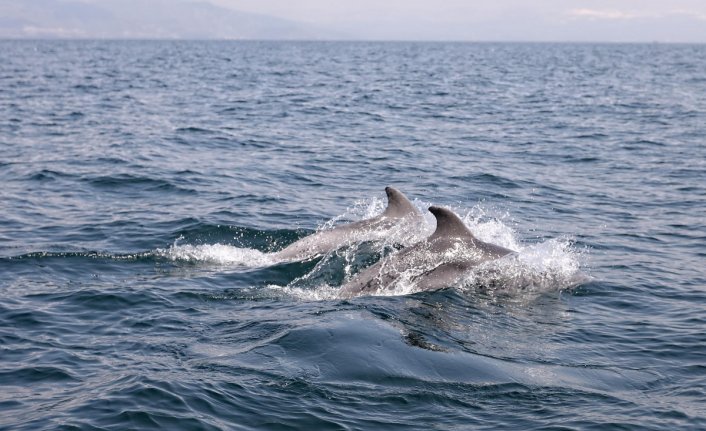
(448, 224)
(397, 204)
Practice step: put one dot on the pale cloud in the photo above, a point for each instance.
(615, 14)
(602, 14)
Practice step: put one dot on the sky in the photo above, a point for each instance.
(461, 20)
(514, 20)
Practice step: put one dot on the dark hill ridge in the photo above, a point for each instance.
(144, 19)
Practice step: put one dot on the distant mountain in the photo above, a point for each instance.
(143, 19)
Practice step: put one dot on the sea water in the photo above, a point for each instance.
(144, 186)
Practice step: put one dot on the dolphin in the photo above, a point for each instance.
(436, 262)
(399, 210)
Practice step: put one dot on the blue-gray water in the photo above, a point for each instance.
(141, 182)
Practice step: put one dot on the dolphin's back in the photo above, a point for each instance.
(399, 209)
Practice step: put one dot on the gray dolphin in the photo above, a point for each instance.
(399, 210)
(434, 263)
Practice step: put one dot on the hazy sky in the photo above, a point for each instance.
(590, 20)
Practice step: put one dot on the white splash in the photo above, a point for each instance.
(361, 210)
(220, 254)
(551, 265)
(321, 293)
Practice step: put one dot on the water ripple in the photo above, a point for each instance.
(145, 184)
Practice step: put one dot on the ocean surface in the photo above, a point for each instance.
(143, 186)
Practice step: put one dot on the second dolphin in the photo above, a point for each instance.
(434, 263)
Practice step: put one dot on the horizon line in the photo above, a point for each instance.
(350, 40)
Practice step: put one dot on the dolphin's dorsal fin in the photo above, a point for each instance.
(397, 204)
(448, 224)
